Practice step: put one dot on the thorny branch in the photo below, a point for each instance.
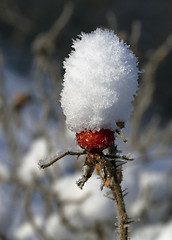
(147, 89)
(114, 174)
(111, 176)
(117, 192)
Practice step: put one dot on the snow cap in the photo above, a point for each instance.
(99, 82)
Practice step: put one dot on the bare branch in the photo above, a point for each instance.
(44, 164)
(118, 195)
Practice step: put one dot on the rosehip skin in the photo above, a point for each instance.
(97, 141)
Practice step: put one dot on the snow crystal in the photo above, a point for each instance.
(99, 83)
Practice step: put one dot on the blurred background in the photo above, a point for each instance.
(35, 38)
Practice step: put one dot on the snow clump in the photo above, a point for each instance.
(100, 82)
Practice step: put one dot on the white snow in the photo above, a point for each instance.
(29, 165)
(55, 227)
(149, 188)
(93, 205)
(99, 83)
(149, 232)
(154, 232)
(26, 231)
(166, 232)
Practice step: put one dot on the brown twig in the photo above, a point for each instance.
(117, 193)
(122, 215)
(43, 165)
(114, 174)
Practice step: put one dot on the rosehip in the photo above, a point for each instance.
(96, 141)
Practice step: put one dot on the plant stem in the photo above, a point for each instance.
(122, 215)
(114, 173)
(51, 160)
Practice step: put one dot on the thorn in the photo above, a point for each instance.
(125, 194)
(124, 190)
(125, 158)
(111, 198)
(120, 161)
(129, 222)
(128, 155)
(102, 186)
(120, 133)
(121, 164)
(109, 192)
(118, 157)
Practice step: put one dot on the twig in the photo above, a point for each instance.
(116, 191)
(118, 196)
(43, 165)
(122, 215)
(46, 42)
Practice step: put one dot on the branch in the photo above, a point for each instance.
(51, 160)
(123, 220)
(114, 174)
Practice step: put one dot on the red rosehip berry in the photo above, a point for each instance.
(96, 141)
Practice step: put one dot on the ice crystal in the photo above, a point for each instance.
(100, 82)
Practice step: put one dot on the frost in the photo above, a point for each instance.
(47, 160)
(99, 83)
